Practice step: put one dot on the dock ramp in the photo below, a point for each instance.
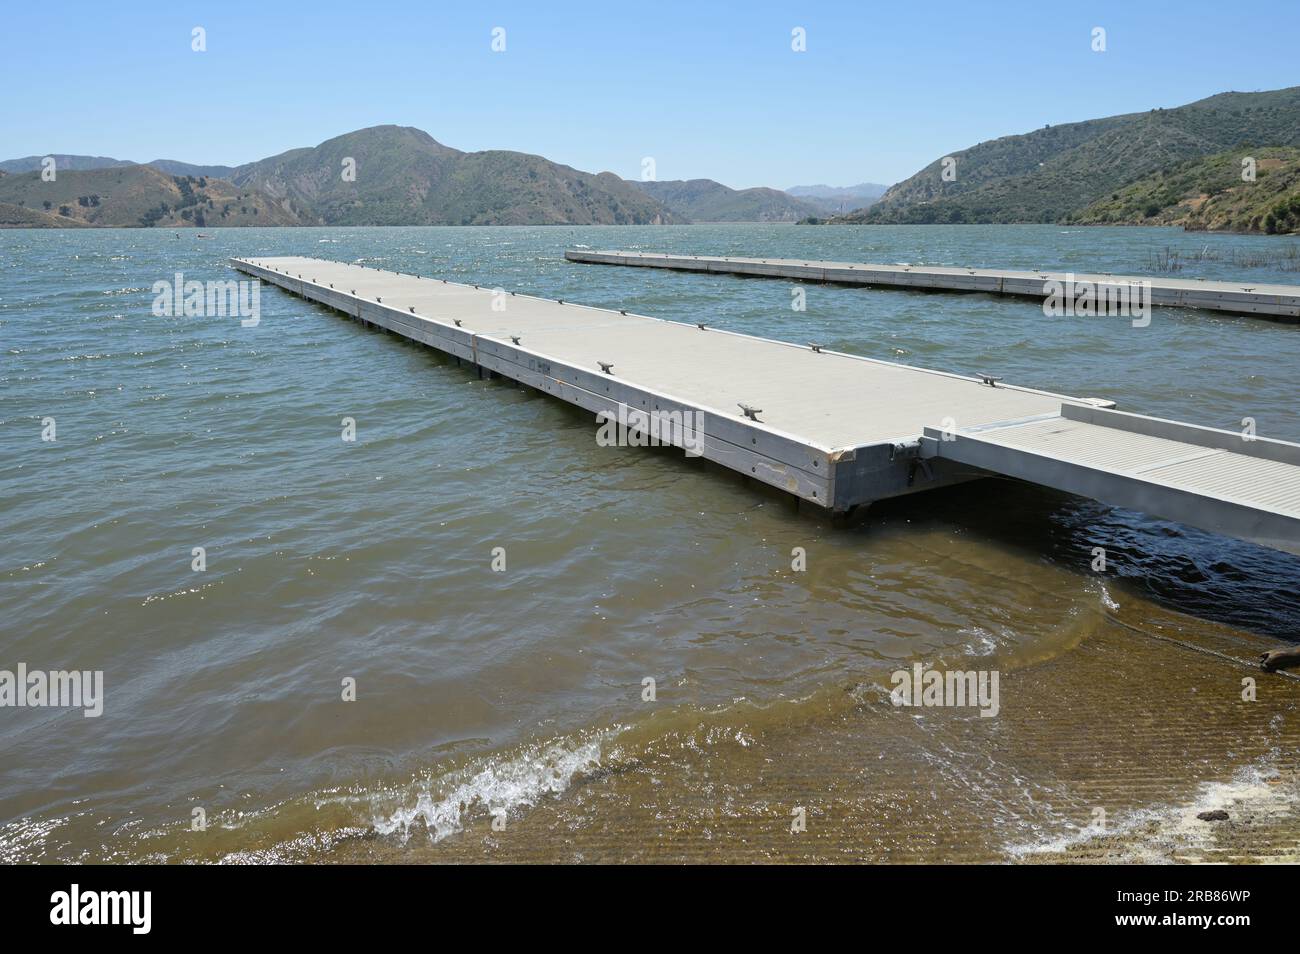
(1223, 481)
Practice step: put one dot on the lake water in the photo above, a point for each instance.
(520, 693)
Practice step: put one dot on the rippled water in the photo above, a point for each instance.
(521, 692)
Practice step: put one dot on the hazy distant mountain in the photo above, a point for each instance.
(703, 200)
(66, 163)
(135, 195)
(869, 190)
(405, 177)
(1054, 173)
(62, 162)
(839, 199)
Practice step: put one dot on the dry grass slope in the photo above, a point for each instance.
(138, 196)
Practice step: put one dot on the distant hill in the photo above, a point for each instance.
(703, 200)
(62, 162)
(136, 196)
(1054, 173)
(175, 168)
(67, 163)
(839, 199)
(405, 177)
(1210, 194)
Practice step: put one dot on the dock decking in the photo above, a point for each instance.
(1243, 298)
(834, 429)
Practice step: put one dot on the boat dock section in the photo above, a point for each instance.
(834, 429)
(1243, 298)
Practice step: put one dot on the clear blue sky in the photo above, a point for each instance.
(708, 90)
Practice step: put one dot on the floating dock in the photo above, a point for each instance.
(834, 429)
(1242, 298)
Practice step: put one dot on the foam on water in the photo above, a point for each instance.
(1106, 599)
(500, 785)
(1258, 793)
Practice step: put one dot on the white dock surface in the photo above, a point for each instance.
(1245, 298)
(835, 429)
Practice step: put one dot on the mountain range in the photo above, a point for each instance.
(1055, 173)
(1165, 166)
(383, 175)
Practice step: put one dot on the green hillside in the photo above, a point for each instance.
(1054, 173)
(703, 200)
(139, 196)
(1210, 194)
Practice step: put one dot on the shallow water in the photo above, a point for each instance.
(521, 692)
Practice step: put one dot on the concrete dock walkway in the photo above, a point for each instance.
(834, 429)
(1243, 298)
